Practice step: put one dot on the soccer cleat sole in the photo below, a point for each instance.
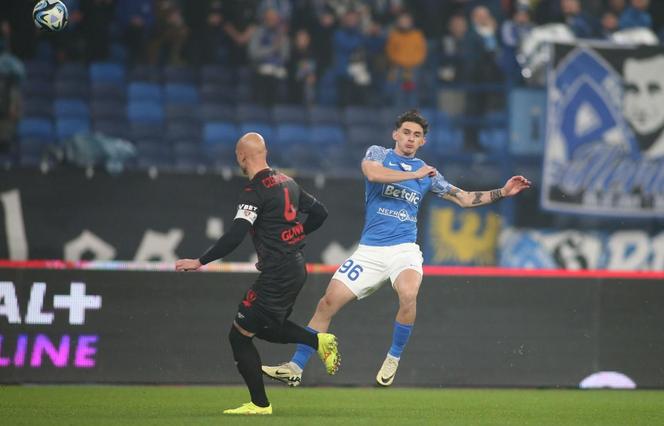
(291, 381)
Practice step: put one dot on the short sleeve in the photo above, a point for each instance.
(376, 153)
(249, 206)
(439, 185)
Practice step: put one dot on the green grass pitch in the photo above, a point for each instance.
(193, 405)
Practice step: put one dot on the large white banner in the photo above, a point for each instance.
(605, 131)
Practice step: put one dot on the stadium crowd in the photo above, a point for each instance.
(314, 52)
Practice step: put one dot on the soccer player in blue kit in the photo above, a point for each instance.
(396, 182)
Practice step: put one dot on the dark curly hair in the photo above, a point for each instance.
(413, 116)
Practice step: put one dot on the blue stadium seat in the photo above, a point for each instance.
(37, 88)
(216, 74)
(494, 139)
(324, 115)
(154, 155)
(180, 93)
(292, 134)
(117, 53)
(146, 131)
(252, 112)
(38, 107)
(107, 72)
(39, 70)
(388, 116)
(71, 89)
(142, 91)
(145, 73)
(212, 93)
(108, 91)
(182, 112)
(283, 114)
(327, 135)
(356, 115)
(263, 127)
(219, 155)
(71, 108)
(108, 109)
(36, 128)
(179, 74)
(220, 132)
(188, 156)
(118, 128)
(31, 151)
(183, 131)
(65, 128)
(72, 71)
(363, 135)
(444, 141)
(217, 112)
(145, 111)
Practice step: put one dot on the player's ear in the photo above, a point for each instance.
(394, 135)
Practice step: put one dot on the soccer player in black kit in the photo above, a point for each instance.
(269, 208)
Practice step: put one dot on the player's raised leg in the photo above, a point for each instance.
(336, 296)
(407, 286)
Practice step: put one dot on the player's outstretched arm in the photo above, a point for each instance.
(224, 245)
(512, 187)
(376, 172)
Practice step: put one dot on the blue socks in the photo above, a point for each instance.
(400, 337)
(303, 352)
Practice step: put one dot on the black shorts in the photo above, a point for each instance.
(270, 300)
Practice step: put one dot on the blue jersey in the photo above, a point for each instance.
(391, 208)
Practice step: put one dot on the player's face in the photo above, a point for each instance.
(643, 104)
(409, 138)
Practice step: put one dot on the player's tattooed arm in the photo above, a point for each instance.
(472, 199)
(479, 198)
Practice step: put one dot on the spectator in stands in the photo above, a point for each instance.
(269, 50)
(616, 6)
(376, 38)
(134, 20)
(12, 72)
(483, 48)
(385, 12)
(406, 51)
(609, 23)
(636, 15)
(512, 33)
(240, 24)
(18, 30)
(321, 24)
(95, 26)
(169, 35)
(453, 48)
(579, 22)
(350, 62)
(481, 67)
(69, 43)
(302, 69)
(283, 7)
(204, 19)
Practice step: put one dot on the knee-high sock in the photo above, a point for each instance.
(400, 337)
(304, 352)
(249, 365)
(289, 332)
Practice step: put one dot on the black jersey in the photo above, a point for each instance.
(273, 203)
